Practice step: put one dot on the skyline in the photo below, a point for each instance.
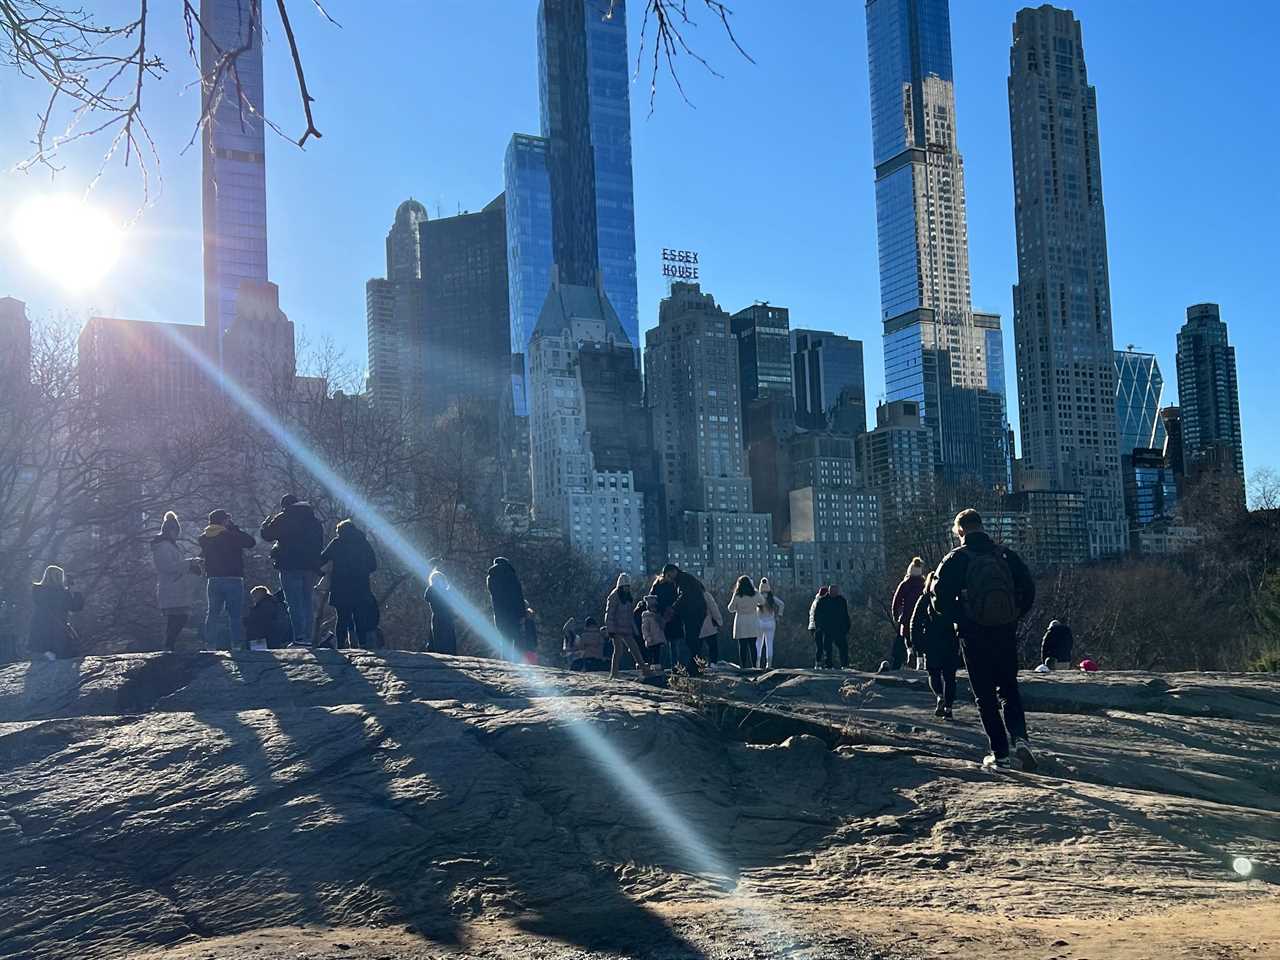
(831, 284)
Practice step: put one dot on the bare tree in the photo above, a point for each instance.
(97, 70)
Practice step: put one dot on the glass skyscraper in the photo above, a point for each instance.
(1139, 389)
(234, 179)
(584, 90)
(830, 388)
(1062, 301)
(529, 250)
(937, 354)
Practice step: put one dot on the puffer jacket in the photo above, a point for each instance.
(618, 619)
(746, 616)
(177, 585)
(223, 550)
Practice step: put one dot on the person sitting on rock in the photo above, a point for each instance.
(587, 654)
(267, 625)
(1056, 646)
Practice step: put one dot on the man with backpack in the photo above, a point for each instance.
(984, 588)
(298, 540)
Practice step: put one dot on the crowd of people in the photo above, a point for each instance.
(964, 613)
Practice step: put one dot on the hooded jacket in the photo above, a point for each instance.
(1057, 643)
(618, 620)
(222, 548)
(444, 627)
(298, 537)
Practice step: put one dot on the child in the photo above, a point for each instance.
(588, 650)
(651, 632)
(267, 625)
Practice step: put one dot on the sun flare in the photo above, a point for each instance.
(68, 239)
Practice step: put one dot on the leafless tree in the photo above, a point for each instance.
(97, 70)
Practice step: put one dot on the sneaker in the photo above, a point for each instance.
(940, 710)
(1023, 751)
(947, 714)
(992, 762)
(1043, 668)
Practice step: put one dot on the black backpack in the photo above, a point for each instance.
(990, 596)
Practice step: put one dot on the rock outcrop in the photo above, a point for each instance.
(149, 800)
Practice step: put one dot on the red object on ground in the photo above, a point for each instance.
(1089, 666)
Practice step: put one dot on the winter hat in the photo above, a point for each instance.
(219, 517)
(764, 585)
(1054, 623)
(259, 592)
(170, 525)
(288, 500)
(916, 567)
(1089, 666)
(624, 580)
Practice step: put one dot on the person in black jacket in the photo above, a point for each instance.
(222, 547)
(52, 603)
(831, 619)
(1056, 645)
(985, 589)
(682, 605)
(298, 540)
(266, 625)
(444, 617)
(351, 562)
(506, 597)
(933, 637)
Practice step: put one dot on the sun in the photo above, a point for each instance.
(68, 239)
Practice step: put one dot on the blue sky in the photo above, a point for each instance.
(768, 174)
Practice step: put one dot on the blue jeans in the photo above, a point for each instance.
(298, 586)
(226, 592)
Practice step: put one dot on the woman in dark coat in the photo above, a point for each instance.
(444, 618)
(506, 596)
(52, 604)
(353, 561)
(934, 637)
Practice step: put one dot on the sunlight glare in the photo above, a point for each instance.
(68, 239)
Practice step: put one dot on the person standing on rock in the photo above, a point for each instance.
(506, 598)
(820, 661)
(52, 603)
(222, 547)
(770, 613)
(683, 609)
(298, 540)
(709, 635)
(177, 579)
(933, 637)
(745, 607)
(1056, 646)
(652, 633)
(351, 562)
(984, 589)
(832, 619)
(903, 606)
(444, 618)
(620, 626)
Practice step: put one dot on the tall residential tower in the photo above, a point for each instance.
(584, 90)
(937, 354)
(1062, 301)
(234, 176)
(1209, 396)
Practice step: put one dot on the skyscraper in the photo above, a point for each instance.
(466, 355)
(15, 346)
(895, 462)
(1062, 301)
(585, 403)
(584, 90)
(835, 528)
(1208, 393)
(404, 242)
(395, 308)
(234, 179)
(829, 385)
(529, 251)
(936, 355)
(1139, 390)
(693, 392)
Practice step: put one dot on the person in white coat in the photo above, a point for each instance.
(178, 582)
(770, 613)
(745, 607)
